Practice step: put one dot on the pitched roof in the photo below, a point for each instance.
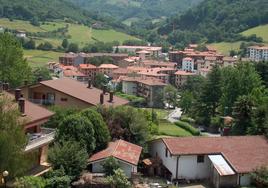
(121, 150)
(87, 66)
(244, 153)
(108, 66)
(33, 112)
(184, 73)
(80, 91)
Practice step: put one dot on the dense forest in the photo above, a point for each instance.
(43, 10)
(218, 20)
(136, 9)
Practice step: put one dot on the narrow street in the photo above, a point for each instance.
(174, 115)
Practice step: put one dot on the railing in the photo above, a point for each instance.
(43, 101)
(39, 139)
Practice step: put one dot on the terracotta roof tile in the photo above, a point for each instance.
(80, 91)
(121, 150)
(244, 153)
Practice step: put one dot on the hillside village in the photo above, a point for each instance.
(125, 111)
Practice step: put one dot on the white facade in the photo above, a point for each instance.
(181, 167)
(188, 64)
(129, 88)
(257, 53)
(189, 167)
(126, 167)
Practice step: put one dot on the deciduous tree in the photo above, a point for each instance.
(77, 128)
(13, 67)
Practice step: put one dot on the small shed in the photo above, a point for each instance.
(222, 173)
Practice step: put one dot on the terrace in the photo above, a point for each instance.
(39, 139)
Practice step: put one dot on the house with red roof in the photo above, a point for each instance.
(224, 161)
(32, 117)
(126, 153)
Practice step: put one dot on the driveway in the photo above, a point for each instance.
(174, 115)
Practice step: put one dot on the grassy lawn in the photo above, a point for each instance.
(169, 129)
(110, 35)
(38, 58)
(20, 25)
(226, 47)
(161, 113)
(79, 34)
(26, 26)
(260, 31)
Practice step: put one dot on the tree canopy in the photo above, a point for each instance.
(13, 67)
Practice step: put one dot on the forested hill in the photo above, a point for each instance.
(137, 9)
(41, 10)
(219, 20)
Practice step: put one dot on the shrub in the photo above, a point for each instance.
(30, 182)
(110, 165)
(119, 179)
(260, 177)
(186, 126)
(187, 119)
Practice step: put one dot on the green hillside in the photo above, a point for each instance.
(76, 33)
(43, 10)
(127, 10)
(226, 47)
(260, 31)
(216, 21)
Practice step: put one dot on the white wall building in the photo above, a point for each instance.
(224, 161)
(188, 64)
(126, 153)
(258, 53)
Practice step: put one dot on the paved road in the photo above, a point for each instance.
(174, 115)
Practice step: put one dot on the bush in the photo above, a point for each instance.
(186, 126)
(260, 177)
(30, 182)
(119, 179)
(69, 156)
(110, 165)
(57, 179)
(187, 119)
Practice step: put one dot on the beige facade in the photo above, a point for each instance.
(42, 94)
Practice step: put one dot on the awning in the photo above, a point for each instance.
(221, 165)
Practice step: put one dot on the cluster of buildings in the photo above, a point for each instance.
(140, 70)
(223, 161)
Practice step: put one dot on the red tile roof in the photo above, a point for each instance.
(244, 153)
(80, 91)
(108, 66)
(121, 150)
(184, 73)
(33, 113)
(87, 66)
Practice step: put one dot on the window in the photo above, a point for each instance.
(200, 159)
(166, 152)
(63, 99)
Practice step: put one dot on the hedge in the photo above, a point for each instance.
(186, 126)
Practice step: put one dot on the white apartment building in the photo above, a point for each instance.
(258, 53)
(188, 64)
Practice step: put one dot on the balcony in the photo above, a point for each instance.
(42, 101)
(37, 140)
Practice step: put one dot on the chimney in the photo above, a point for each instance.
(89, 83)
(22, 105)
(39, 79)
(25, 82)
(5, 86)
(1, 87)
(17, 94)
(111, 96)
(101, 98)
(104, 89)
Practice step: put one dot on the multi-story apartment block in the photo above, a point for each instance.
(258, 53)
